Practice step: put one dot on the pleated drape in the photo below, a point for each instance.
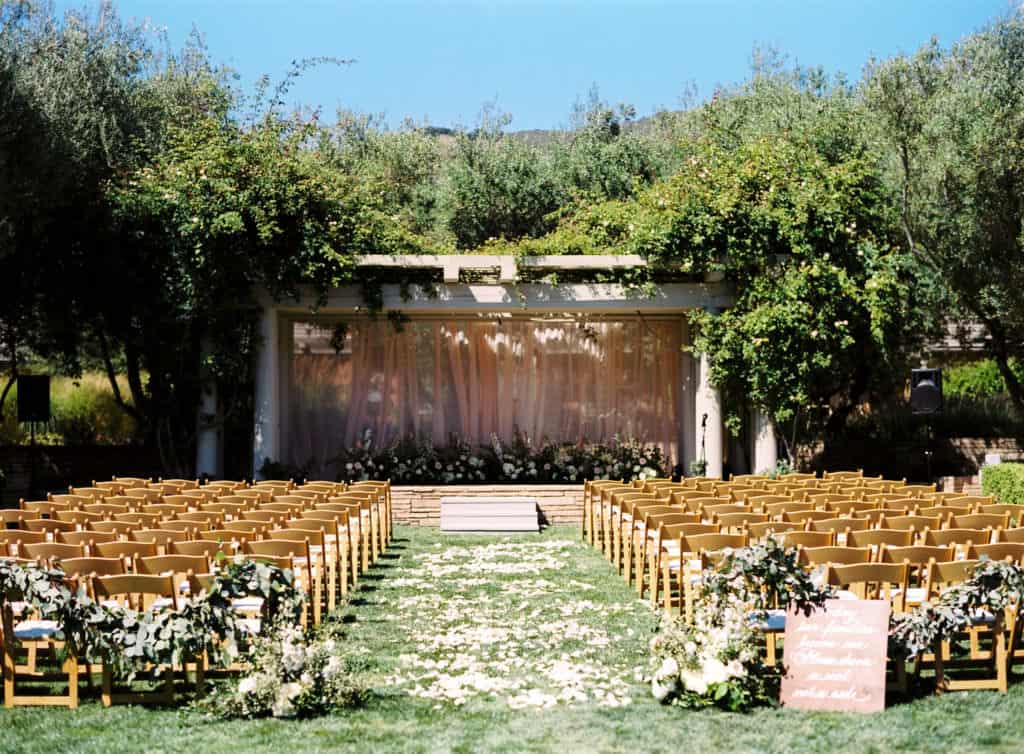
(473, 378)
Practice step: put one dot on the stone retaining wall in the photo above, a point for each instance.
(421, 505)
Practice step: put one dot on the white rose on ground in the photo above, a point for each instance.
(662, 689)
(283, 706)
(735, 669)
(694, 682)
(668, 667)
(715, 672)
(247, 685)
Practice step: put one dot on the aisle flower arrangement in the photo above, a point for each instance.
(293, 675)
(715, 660)
(418, 461)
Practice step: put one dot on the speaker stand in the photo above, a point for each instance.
(928, 451)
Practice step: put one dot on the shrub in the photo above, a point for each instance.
(978, 379)
(1005, 481)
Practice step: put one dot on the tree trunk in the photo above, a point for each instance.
(1001, 351)
(108, 366)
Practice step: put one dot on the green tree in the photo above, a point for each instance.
(75, 110)
(952, 122)
(496, 186)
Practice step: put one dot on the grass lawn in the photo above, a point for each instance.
(511, 644)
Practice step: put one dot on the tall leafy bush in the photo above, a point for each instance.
(1005, 481)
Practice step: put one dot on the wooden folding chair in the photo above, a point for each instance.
(208, 548)
(127, 551)
(876, 538)
(917, 559)
(298, 560)
(372, 513)
(120, 528)
(666, 553)
(25, 638)
(12, 541)
(646, 520)
(318, 561)
(207, 519)
(1013, 511)
(775, 529)
(961, 539)
(1009, 551)
(802, 538)
(981, 521)
(177, 566)
(162, 538)
(694, 550)
(841, 527)
(49, 552)
(141, 593)
(80, 518)
(83, 569)
(1001, 628)
(49, 526)
(834, 555)
(87, 538)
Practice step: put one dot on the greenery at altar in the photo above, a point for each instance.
(418, 461)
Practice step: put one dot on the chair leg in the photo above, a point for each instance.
(655, 573)
(627, 555)
(666, 596)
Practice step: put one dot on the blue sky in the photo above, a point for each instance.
(440, 62)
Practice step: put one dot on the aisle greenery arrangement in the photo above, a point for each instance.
(418, 461)
(131, 641)
(716, 659)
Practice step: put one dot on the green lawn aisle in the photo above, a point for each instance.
(516, 622)
(468, 640)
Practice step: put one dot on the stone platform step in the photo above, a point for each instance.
(489, 514)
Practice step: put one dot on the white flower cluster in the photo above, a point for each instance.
(718, 647)
(291, 677)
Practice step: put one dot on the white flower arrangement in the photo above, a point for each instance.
(414, 460)
(293, 676)
(715, 660)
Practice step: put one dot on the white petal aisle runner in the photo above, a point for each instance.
(526, 622)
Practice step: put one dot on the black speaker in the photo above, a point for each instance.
(33, 398)
(926, 391)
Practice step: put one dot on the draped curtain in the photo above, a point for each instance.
(552, 380)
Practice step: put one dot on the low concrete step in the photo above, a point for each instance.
(494, 514)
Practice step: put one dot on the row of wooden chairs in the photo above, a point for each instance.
(328, 534)
(160, 583)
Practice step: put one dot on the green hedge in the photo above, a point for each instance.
(978, 379)
(1005, 481)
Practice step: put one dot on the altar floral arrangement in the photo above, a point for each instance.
(518, 459)
(715, 659)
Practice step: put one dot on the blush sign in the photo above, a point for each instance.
(835, 657)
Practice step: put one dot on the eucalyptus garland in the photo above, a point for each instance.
(994, 585)
(764, 576)
(130, 641)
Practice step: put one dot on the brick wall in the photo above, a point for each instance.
(421, 505)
